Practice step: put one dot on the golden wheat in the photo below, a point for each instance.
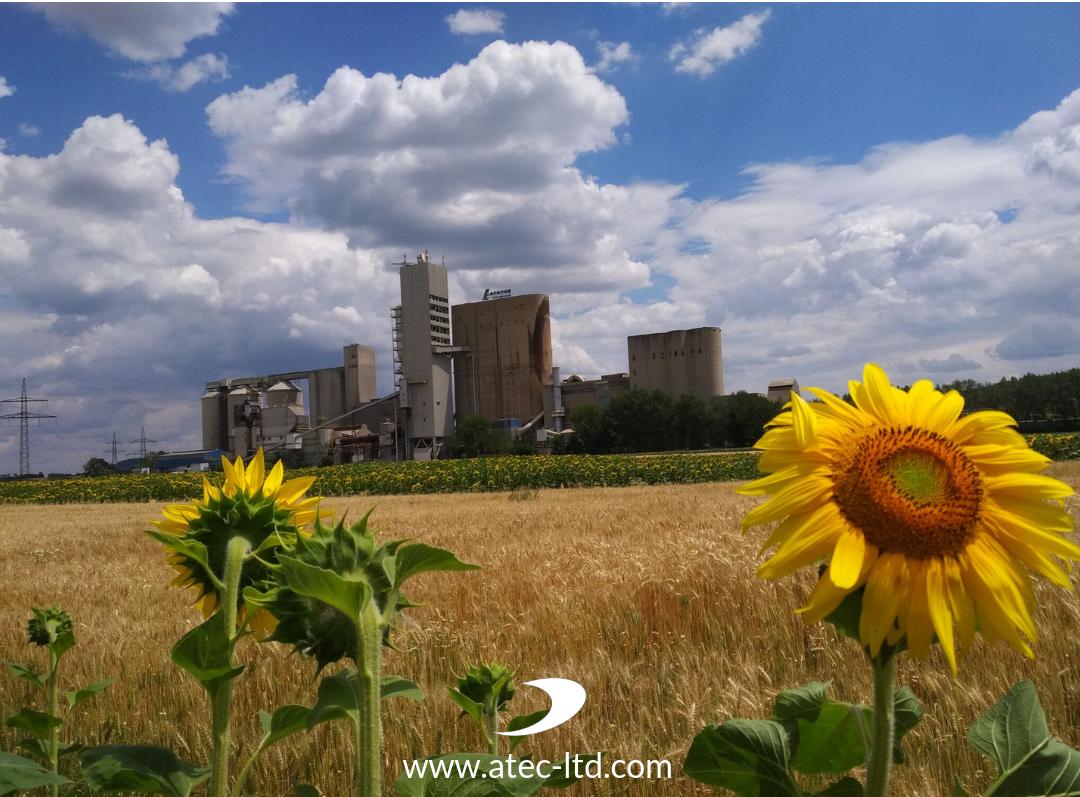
(646, 595)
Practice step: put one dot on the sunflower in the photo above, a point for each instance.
(251, 503)
(930, 514)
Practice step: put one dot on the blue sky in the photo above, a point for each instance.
(829, 184)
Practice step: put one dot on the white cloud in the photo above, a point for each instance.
(474, 21)
(28, 130)
(613, 55)
(140, 31)
(208, 67)
(6, 89)
(709, 49)
(477, 161)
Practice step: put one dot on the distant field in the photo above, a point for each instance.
(485, 474)
(646, 595)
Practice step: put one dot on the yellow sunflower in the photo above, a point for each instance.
(928, 512)
(251, 503)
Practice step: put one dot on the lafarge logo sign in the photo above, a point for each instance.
(500, 294)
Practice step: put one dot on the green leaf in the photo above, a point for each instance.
(143, 769)
(26, 673)
(908, 710)
(336, 699)
(467, 705)
(485, 781)
(523, 721)
(802, 703)
(958, 788)
(35, 746)
(285, 721)
(395, 686)
(306, 790)
(18, 774)
(1031, 763)
(848, 787)
(325, 586)
(64, 642)
(833, 742)
(36, 723)
(205, 652)
(75, 698)
(749, 757)
(411, 560)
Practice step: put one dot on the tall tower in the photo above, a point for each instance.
(422, 355)
(25, 416)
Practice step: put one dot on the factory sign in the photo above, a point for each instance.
(490, 294)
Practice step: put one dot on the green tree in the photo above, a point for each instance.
(739, 419)
(474, 436)
(689, 422)
(590, 435)
(96, 466)
(639, 420)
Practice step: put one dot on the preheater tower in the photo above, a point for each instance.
(422, 355)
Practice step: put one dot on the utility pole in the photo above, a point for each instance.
(25, 416)
(142, 440)
(113, 449)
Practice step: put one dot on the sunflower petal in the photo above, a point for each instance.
(847, 558)
(940, 609)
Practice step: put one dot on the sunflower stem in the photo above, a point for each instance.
(221, 699)
(881, 752)
(53, 690)
(367, 687)
(492, 731)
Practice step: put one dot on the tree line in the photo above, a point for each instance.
(1040, 402)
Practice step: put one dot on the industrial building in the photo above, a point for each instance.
(577, 391)
(505, 370)
(677, 362)
(422, 356)
(780, 390)
(240, 414)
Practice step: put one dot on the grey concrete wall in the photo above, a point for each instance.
(676, 362)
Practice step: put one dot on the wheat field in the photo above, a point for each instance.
(645, 595)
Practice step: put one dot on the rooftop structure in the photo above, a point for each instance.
(780, 390)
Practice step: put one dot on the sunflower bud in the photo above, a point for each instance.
(48, 625)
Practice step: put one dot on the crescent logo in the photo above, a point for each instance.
(567, 698)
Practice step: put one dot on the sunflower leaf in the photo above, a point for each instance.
(205, 652)
(18, 774)
(1031, 762)
(749, 757)
(908, 710)
(395, 686)
(36, 723)
(411, 560)
(802, 703)
(88, 691)
(524, 721)
(143, 769)
(468, 706)
(284, 722)
(27, 674)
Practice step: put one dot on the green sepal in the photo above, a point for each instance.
(143, 769)
(191, 549)
(36, 723)
(19, 774)
(205, 652)
(318, 583)
(749, 757)
(1030, 761)
(26, 673)
(468, 706)
(88, 691)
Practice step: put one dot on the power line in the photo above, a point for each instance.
(25, 416)
(113, 449)
(142, 440)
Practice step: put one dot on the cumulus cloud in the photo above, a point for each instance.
(28, 130)
(709, 49)
(140, 31)
(1040, 339)
(206, 68)
(477, 161)
(474, 21)
(6, 89)
(613, 55)
(784, 352)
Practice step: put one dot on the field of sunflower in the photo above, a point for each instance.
(486, 474)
